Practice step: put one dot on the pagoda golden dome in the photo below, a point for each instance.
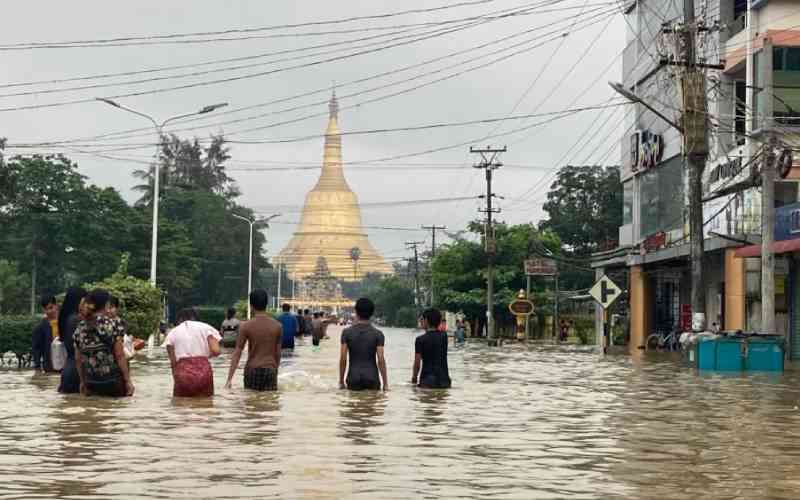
(330, 225)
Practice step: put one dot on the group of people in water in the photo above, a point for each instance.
(97, 362)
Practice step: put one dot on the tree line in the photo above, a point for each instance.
(584, 212)
(60, 230)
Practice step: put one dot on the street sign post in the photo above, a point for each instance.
(541, 267)
(522, 308)
(605, 292)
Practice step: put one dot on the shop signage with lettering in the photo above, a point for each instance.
(730, 168)
(647, 149)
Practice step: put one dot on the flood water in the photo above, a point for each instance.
(519, 422)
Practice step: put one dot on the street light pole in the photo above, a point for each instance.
(249, 260)
(251, 222)
(159, 128)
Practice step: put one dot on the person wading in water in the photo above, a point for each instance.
(230, 326)
(189, 346)
(431, 352)
(99, 353)
(262, 336)
(364, 345)
(68, 319)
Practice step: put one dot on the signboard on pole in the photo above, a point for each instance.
(541, 267)
(605, 292)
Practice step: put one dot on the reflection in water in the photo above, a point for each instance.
(519, 422)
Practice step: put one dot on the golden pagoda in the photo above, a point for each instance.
(330, 225)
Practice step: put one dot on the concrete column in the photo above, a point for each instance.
(640, 302)
(735, 289)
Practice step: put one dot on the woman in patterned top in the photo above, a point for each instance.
(99, 351)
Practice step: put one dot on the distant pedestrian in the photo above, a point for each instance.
(262, 336)
(189, 345)
(461, 332)
(44, 333)
(113, 312)
(230, 326)
(563, 331)
(289, 323)
(430, 352)
(316, 328)
(68, 319)
(99, 354)
(363, 344)
(308, 319)
(301, 323)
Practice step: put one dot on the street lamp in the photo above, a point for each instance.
(627, 94)
(159, 127)
(251, 222)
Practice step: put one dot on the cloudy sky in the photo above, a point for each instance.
(466, 62)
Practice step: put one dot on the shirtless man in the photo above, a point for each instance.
(262, 335)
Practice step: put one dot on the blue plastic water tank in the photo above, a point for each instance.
(729, 354)
(764, 354)
(707, 354)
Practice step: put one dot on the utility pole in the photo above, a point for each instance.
(433, 230)
(768, 196)
(695, 125)
(414, 244)
(488, 164)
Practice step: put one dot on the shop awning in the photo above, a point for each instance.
(783, 246)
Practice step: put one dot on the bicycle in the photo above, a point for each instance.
(662, 341)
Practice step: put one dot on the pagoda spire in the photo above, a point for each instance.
(330, 225)
(332, 176)
(333, 105)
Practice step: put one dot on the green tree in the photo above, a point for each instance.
(178, 258)
(13, 288)
(584, 206)
(460, 269)
(46, 190)
(140, 303)
(186, 164)
(221, 243)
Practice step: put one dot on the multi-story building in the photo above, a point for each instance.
(653, 241)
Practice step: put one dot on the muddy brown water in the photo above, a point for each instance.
(520, 422)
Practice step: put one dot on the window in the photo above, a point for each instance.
(661, 197)
(786, 83)
(627, 202)
(740, 105)
(758, 94)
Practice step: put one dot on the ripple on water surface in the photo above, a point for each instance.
(520, 422)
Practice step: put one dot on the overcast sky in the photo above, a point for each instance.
(490, 92)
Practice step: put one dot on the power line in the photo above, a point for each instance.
(32, 45)
(126, 133)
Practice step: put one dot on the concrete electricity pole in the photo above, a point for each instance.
(433, 230)
(695, 144)
(767, 196)
(414, 244)
(488, 164)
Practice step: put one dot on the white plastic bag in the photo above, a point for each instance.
(58, 354)
(127, 345)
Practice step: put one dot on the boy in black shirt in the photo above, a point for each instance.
(431, 352)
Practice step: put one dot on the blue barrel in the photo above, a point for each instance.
(707, 354)
(730, 353)
(764, 353)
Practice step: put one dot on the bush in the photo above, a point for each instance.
(406, 317)
(140, 303)
(213, 315)
(15, 336)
